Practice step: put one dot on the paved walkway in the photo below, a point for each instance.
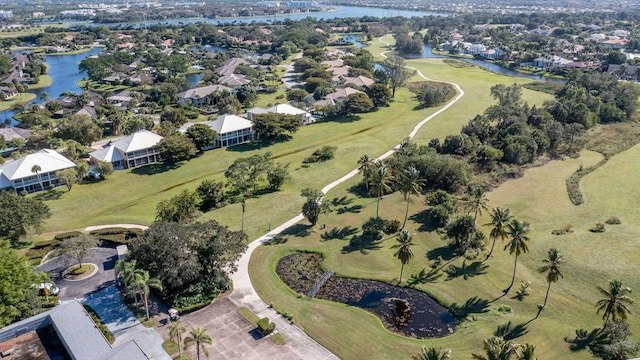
(245, 295)
(124, 325)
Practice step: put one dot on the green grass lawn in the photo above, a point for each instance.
(538, 197)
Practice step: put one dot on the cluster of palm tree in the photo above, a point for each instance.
(136, 281)
(616, 301)
(378, 178)
(198, 337)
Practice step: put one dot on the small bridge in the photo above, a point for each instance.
(314, 291)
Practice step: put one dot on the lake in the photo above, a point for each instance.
(64, 73)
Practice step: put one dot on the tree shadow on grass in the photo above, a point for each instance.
(362, 244)
(587, 339)
(444, 253)
(275, 240)
(422, 218)
(359, 191)
(298, 230)
(510, 332)
(474, 305)
(423, 277)
(342, 205)
(336, 233)
(154, 169)
(466, 271)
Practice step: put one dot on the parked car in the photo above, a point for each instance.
(51, 287)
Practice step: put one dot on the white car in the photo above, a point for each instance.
(53, 289)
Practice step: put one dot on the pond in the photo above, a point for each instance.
(405, 311)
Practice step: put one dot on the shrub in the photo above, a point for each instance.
(439, 216)
(323, 154)
(67, 235)
(565, 229)
(598, 228)
(614, 220)
(391, 226)
(372, 228)
(100, 324)
(265, 326)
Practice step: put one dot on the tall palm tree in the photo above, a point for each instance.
(410, 183)
(366, 165)
(551, 267)
(381, 179)
(144, 283)
(500, 218)
(199, 337)
(175, 333)
(496, 348)
(527, 352)
(517, 231)
(476, 203)
(432, 353)
(616, 301)
(36, 170)
(404, 253)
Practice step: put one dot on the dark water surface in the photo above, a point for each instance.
(405, 311)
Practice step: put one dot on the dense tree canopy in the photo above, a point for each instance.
(20, 214)
(191, 260)
(15, 286)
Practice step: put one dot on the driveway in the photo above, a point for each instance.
(123, 324)
(104, 258)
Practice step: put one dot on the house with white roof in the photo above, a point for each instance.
(198, 96)
(130, 151)
(286, 109)
(18, 173)
(234, 80)
(232, 129)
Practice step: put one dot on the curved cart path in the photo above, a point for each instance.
(245, 295)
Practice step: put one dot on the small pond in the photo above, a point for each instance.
(405, 311)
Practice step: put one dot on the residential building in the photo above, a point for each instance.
(130, 151)
(19, 175)
(232, 129)
(286, 109)
(234, 81)
(15, 133)
(198, 96)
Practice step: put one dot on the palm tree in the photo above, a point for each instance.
(517, 231)
(404, 253)
(496, 348)
(381, 180)
(527, 352)
(410, 183)
(44, 96)
(616, 302)
(476, 204)
(366, 165)
(500, 218)
(552, 268)
(144, 283)
(432, 354)
(199, 337)
(175, 333)
(127, 272)
(36, 169)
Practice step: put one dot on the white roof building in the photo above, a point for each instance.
(130, 151)
(232, 129)
(18, 173)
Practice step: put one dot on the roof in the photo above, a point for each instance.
(202, 91)
(15, 133)
(286, 109)
(359, 81)
(70, 320)
(342, 93)
(107, 154)
(139, 140)
(234, 80)
(257, 111)
(229, 123)
(48, 160)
